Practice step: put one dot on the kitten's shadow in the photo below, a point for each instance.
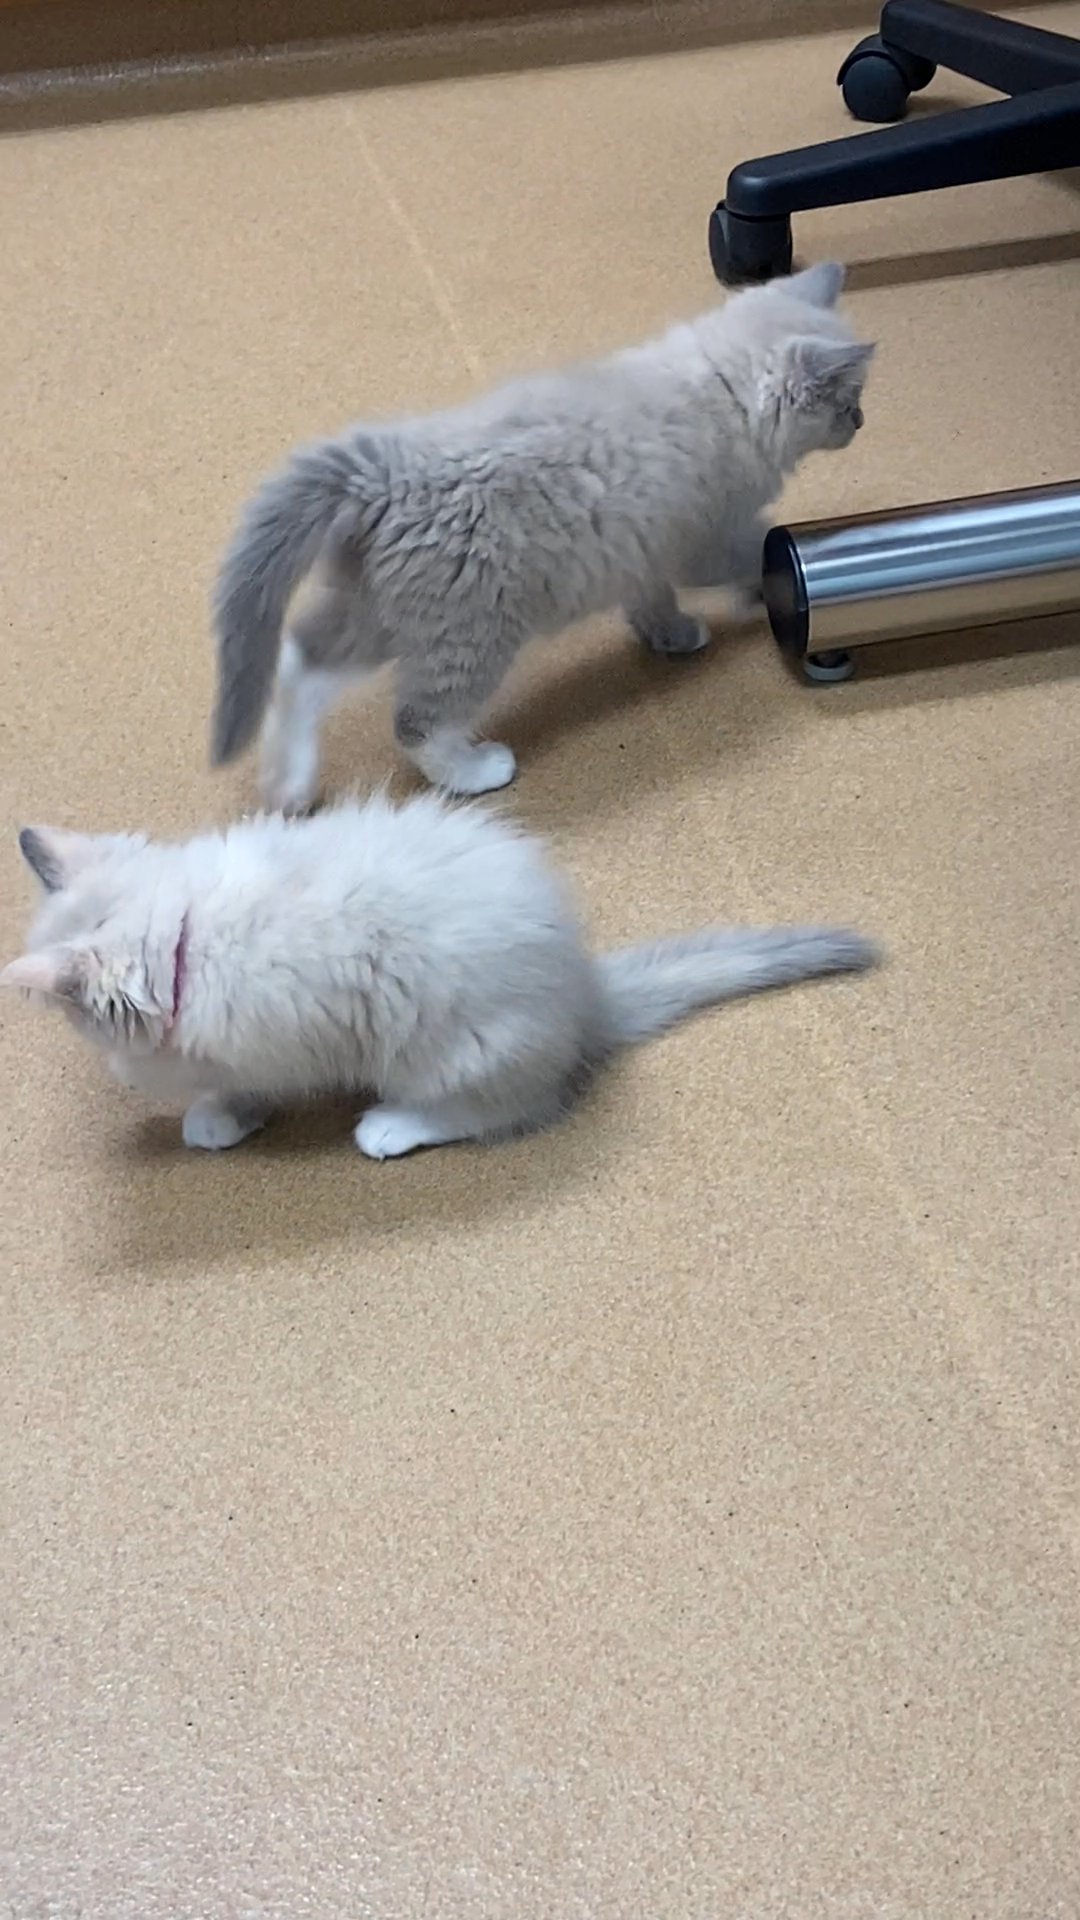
(597, 721)
(302, 1190)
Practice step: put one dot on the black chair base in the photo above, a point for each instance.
(1035, 130)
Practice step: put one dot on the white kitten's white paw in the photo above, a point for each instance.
(212, 1126)
(385, 1133)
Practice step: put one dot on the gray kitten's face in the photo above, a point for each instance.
(812, 368)
(833, 413)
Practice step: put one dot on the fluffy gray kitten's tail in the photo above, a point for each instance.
(652, 987)
(322, 489)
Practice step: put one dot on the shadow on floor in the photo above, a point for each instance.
(997, 256)
(198, 1212)
(952, 666)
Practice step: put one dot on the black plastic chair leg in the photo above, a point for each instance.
(1003, 54)
(1007, 138)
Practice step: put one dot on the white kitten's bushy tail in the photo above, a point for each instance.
(331, 487)
(649, 988)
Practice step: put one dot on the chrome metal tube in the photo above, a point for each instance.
(839, 584)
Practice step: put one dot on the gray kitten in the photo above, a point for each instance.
(446, 542)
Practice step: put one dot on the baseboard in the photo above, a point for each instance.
(64, 62)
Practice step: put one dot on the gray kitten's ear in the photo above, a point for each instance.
(815, 368)
(55, 856)
(819, 286)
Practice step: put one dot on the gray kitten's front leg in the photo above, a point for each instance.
(745, 601)
(745, 570)
(731, 561)
(215, 1122)
(663, 627)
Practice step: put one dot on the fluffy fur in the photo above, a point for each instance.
(445, 543)
(425, 953)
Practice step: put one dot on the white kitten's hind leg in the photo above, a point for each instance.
(214, 1123)
(387, 1132)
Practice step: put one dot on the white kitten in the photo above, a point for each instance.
(446, 542)
(425, 953)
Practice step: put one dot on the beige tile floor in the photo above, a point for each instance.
(675, 1516)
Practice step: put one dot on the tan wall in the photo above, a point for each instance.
(50, 34)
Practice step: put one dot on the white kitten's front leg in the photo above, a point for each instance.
(215, 1123)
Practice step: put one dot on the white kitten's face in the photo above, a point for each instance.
(811, 367)
(90, 951)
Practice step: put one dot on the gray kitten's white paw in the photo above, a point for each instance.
(465, 766)
(488, 767)
(212, 1126)
(288, 776)
(289, 797)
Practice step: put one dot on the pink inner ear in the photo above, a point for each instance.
(34, 973)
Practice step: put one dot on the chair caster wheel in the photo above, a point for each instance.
(746, 251)
(827, 669)
(877, 80)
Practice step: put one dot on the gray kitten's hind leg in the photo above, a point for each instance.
(292, 736)
(440, 699)
(324, 652)
(663, 627)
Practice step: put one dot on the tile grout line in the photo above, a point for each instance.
(961, 1312)
(436, 287)
(959, 1302)
(966, 1322)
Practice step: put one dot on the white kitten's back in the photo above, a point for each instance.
(426, 952)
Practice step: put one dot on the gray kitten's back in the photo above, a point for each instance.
(450, 540)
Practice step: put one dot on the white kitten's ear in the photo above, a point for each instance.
(55, 972)
(819, 286)
(813, 369)
(54, 855)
